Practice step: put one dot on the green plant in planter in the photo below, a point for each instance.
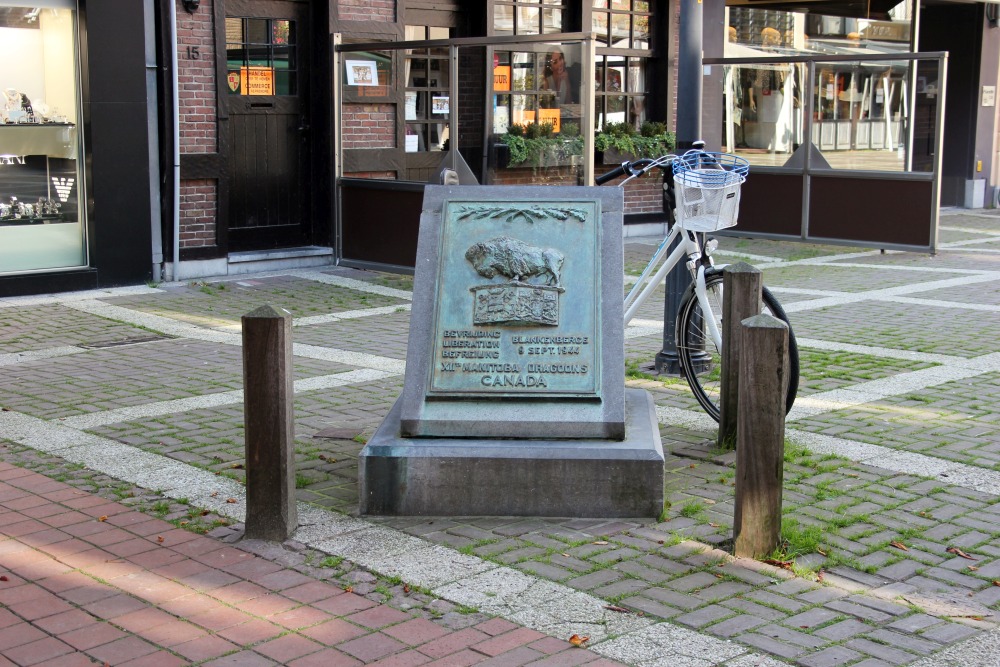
(534, 143)
(652, 139)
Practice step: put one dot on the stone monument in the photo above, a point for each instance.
(514, 400)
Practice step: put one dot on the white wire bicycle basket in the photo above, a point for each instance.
(707, 189)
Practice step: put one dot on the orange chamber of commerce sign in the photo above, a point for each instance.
(252, 81)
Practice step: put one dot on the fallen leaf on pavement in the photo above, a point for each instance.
(349, 589)
(230, 500)
(996, 583)
(899, 545)
(577, 640)
(3, 577)
(819, 575)
(565, 555)
(620, 610)
(600, 542)
(714, 525)
(783, 564)
(204, 512)
(159, 538)
(820, 551)
(406, 588)
(973, 568)
(237, 466)
(103, 517)
(214, 493)
(959, 552)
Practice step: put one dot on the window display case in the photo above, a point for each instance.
(41, 221)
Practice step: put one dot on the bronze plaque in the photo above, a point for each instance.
(518, 299)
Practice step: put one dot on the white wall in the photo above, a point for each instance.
(21, 62)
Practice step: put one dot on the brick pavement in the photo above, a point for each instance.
(894, 440)
(85, 580)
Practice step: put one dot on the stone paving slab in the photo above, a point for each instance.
(86, 579)
(222, 303)
(845, 278)
(900, 326)
(851, 597)
(953, 421)
(54, 325)
(386, 335)
(127, 375)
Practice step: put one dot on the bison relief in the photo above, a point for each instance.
(515, 260)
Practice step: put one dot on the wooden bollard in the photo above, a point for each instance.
(760, 436)
(741, 287)
(268, 418)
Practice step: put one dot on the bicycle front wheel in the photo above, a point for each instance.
(701, 361)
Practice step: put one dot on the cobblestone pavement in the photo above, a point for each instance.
(891, 552)
(91, 581)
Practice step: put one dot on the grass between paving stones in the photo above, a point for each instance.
(823, 370)
(179, 512)
(638, 560)
(219, 302)
(844, 517)
(212, 439)
(953, 421)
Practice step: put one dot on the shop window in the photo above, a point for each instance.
(622, 24)
(261, 56)
(528, 17)
(620, 80)
(427, 102)
(537, 87)
(859, 109)
(41, 217)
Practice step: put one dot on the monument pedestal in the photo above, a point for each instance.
(516, 477)
(514, 399)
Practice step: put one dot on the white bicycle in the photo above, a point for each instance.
(704, 189)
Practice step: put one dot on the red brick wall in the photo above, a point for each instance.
(369, 126)
(196, 94)
(196, 79)
(198, 210)
(643, 195)
(532, 176)
(366, 10)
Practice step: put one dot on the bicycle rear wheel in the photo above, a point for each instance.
(701, 361)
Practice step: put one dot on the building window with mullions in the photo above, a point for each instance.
(623, 50)
(528, 17)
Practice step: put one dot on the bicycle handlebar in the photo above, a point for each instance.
(620, 170)
(634, 168)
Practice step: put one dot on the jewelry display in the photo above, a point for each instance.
(17, 109)
(41, 212)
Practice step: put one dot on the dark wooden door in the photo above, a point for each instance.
(267, 134)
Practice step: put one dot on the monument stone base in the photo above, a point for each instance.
(516, 477)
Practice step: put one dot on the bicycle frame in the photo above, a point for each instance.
(691, 247)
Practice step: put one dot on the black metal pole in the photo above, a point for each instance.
(689, 86)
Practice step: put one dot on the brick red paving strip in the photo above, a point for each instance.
(80, 590)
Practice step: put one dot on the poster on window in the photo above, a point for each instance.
(550, 116)
(439, 104)
(361, 73)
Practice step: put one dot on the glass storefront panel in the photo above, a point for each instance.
(41, 208)
(859, 108)
(861, 113)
